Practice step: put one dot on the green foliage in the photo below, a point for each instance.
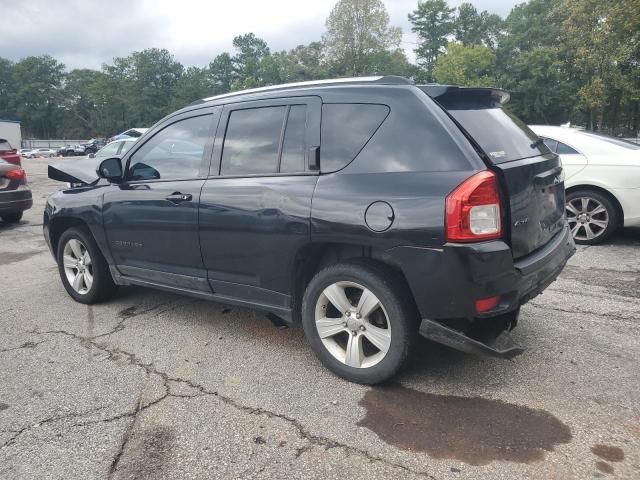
(562, 60)
(472, 66)
(433, 21)
(359, 39)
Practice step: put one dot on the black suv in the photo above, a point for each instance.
(369, 210)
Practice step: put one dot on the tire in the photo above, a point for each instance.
(592, 216)
(12, 217)
(102, 286)
(394, 320)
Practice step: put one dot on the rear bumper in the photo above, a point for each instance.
(15, 201)
(447, 281)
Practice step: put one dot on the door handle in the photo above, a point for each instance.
(177, 197)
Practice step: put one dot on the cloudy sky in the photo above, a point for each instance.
(87, 33)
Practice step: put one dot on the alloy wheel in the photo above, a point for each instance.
(587, 217)
(353, 324)
(78, 266)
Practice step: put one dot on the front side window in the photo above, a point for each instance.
(173, 153)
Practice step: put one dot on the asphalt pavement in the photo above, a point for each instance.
(152, 385)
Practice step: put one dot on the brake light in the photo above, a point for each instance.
(473, 209)
(17, 174)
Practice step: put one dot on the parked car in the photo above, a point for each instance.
(40, 152)
(93, 145)
(15, 196)
(113, 149)
(358, 207)
(131, 133)
(23, 151)
(602, 179)
(71, 151)
(8, 153)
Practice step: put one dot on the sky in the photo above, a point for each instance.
(88, 33)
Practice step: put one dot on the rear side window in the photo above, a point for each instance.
(346, 128)
(252, 140)
(502, 135)
(293, 145)
(550, 143)
(564, 149)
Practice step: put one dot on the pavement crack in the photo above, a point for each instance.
(52, 419)
(23, 346)
(149, 368)
(585, 312)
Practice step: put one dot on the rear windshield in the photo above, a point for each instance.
(502, 135)
(4, 146)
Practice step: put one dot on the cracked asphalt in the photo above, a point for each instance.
(152, 385)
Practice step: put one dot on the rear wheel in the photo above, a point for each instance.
(12, 217)
(358, 321)
(592, 216)
(83, 270)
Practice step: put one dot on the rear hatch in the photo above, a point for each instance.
(531, 175)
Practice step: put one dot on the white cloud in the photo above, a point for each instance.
(84, 33)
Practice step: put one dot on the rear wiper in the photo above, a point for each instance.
(537, 143)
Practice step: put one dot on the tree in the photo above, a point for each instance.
(246, 63)
(79, 118)
(222, 73)
(434, 23)
(194, 84)
(357, 33)
(601, 39)
(473, 28)
(7, 87)
(37, 94)
(470, 66)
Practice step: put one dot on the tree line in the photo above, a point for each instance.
(563, 61)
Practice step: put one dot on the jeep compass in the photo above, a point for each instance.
(369, 210)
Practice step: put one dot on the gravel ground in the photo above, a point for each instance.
(152, 385)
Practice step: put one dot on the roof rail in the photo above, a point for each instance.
(379, 80)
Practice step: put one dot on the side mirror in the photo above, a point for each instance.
(92, 155)
(111, 169)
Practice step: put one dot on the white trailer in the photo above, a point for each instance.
(10, 131)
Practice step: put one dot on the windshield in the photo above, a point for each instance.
(502, 135)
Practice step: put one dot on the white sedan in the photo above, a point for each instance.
(602, 180)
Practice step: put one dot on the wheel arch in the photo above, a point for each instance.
(58, 225)
(602, 191)
(313, 257)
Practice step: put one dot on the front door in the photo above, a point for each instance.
(151, 220)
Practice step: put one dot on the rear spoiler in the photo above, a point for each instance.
(444, 93)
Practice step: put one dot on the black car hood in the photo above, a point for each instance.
(82, 170)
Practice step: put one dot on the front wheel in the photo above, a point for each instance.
(83, 270)
(359, 321)
(592, 216)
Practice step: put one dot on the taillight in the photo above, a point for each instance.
(16, 174)
(473, 209)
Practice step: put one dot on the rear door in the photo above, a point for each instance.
(255, 207)
(531, 175)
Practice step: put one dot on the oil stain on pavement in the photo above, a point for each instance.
(473, 430)
(7, 258)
